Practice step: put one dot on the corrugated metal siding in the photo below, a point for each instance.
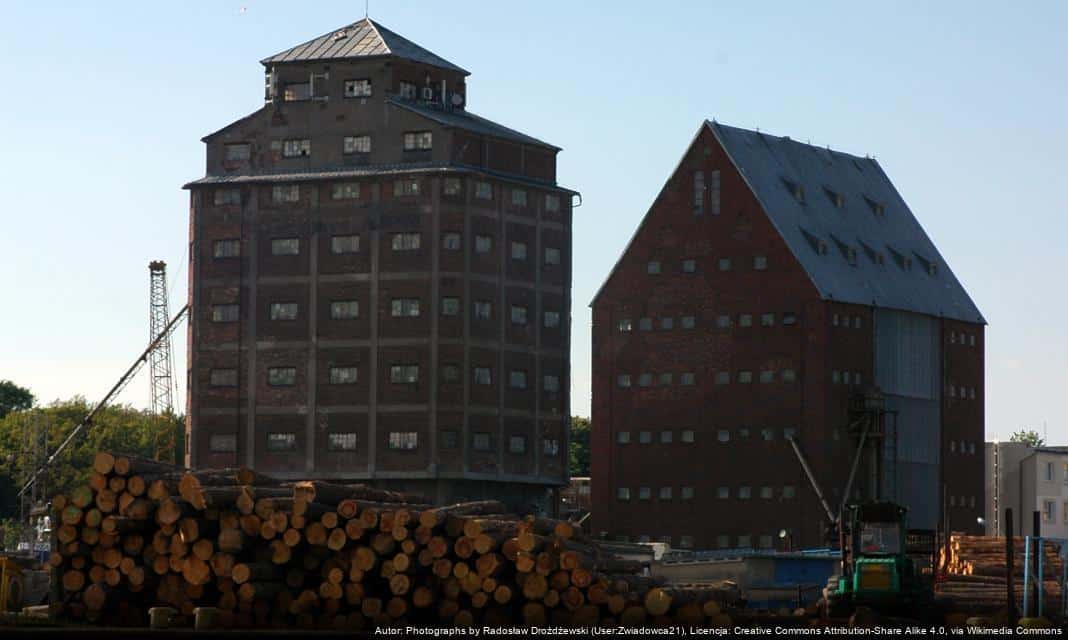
(908, 369)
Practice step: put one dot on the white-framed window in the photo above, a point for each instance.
(550, 383)
(687, 436)
(483, 243)
(282, 376)
(341, 441)
(519, 250)
(285, 193)
(623, 494)
(483, 190)
(483, 310)
(285, 247)
(226, 248)
(222, 443)
(225, 313)
(359, 88)
(407, 90)
(227, 196)
(452, 186)
(517, 379)
(356, 144)
(623, 380)
(224, 377)
(344, 375)
(481, 441)
(344, 309)
(552, 202)
(552, 255)
(653, 267)
(404, 440)
(405, 187)
(404, 373)
(296, 148)
(552, 319)
(450, 306)
(550, 447)
(517, 444)
(345, 244)
(623, 437)
(237, 152)
(418, 140)
(519, 197)
(519, 314)
(283, 311)
(451, 241)
(483, 376)
(450, 373)
(405, 241)
(281, 442)
(404, 307)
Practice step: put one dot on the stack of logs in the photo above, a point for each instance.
(976, 575)
(238, 549)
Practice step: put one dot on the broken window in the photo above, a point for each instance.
(357, 144)
(296, 91)
(404, 440)
(341, 441)
(237, 152)
(296, 148)
(281, 441)
(282, 376)
(283, 311)
(404, 373)
(343, 375)
(405, 241)
(345, 244)
(358, 88)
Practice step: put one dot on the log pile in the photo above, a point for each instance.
(237, 549)
(976, 576)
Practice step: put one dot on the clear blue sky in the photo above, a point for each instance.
(963, 103)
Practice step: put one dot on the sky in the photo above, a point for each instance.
(963, 103)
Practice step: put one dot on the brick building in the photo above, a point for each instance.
(380, 281)
(771, 288)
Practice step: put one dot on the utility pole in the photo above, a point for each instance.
(161, 362)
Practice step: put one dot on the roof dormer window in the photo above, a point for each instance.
(837, 199)
(903, 261)
(876, 207)
(795, 189)
(818, 245)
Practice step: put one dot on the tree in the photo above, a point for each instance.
(13, 398)
(1029, 437)
(579, 458)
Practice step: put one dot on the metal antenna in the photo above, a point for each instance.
(161, 361)
(366, 9)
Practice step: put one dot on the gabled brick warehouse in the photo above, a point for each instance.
(380, 282)
(778, 290)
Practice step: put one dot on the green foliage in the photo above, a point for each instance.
(580, 446)
(1029, 437)
(14, 398)
(116, 428)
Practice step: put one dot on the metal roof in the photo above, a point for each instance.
(847, 205)
(362, 39)
(470, 122)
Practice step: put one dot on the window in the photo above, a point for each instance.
(665, 493)
(483, 244)
(357, 88)
(665, 379)
(686, 379)
(453, 186)
(698, 192)
(517, 379)
(666, 436)
(713, 192)
(418, 141)
(645, 379)
(723, 542)
(789, 492)
(687, 435)
(405, 188)
(685, 542)
(856, 377)
(551, 384)
(745, 377)
(688, 322)
(519, 314)
(450, 241)
(227, 248)
(283, 311)
(623, 437)
(767, 434)
(552, 255)
(645, 324)
(285, 246)
(667, 323)
(483, 310)
(450, 439)
(1049, 472)
(552, 202)
(789, 375)
(481, 441)
(344, 309)
(450, 306)
(405, 241)
(744, 542)
(686, 493)
(227, 196)
(1049, 510)
(767, 319)
(689, 266)
(519, 250)
(450, 373)
(517, 444)
(550, 447)
(341, 441)
(744, 492)
(836, 376)
(743, 433)
(285, 193)
(403, 440)
(789, 318)
(297, 91)
(767, 377)
(623, 380)
(760, 263)
(282, 376)
(723, 493)
(225, 313)
(483, 376)
(300, 148)
(724, 264)
(407, 90)
(483, 190)
(404, 373)
(345, 244)
(645, 437)
(653, 267)
(343, 375)
(745, 320)
(765, 542)
(405, 307)
(856, 322)
(723, 321)
(766, 493)
(722, 377)
(238, 152)
(552, 319)
(356, 144)
(723, 435)
(623, 494)
(281, 442)
(519, 197)
(788, 433)
(644, 493)
(222, 443)
(227, 378)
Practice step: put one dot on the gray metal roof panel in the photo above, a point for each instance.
(470, 122)
(768, 163)
(363, 39)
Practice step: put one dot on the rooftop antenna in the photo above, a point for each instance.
(366, 9)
